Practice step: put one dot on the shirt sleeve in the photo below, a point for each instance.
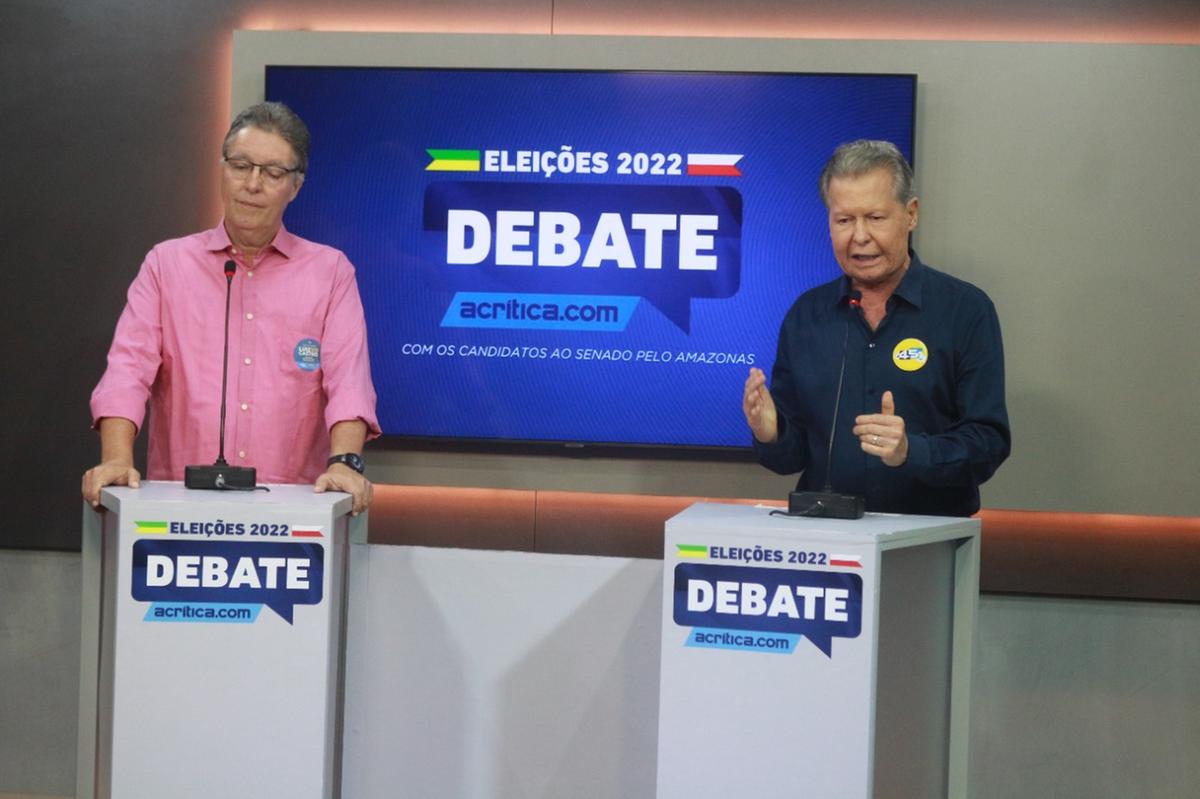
(787, 455)
(345, 362)
(975, 445)
(136, 351)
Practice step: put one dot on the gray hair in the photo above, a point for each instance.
(274, 118)
(857, 158)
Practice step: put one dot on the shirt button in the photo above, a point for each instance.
(249, 273)
(246, 361)
(242, 454)
(245, 407)
(871, 346)
(249, 316)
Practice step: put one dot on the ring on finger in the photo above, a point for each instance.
(877, 441)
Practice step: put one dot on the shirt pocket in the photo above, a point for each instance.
(924, 395)
(295, 348)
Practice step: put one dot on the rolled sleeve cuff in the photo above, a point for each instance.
(347, 413)
(107, 405)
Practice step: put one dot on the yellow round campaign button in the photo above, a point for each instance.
(910, 354)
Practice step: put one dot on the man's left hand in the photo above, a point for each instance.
(882, 434)
(340, 477)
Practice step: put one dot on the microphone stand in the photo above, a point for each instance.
(826, 503)
(222, 476)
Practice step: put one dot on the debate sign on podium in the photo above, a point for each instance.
(212, 642)
(815, 657)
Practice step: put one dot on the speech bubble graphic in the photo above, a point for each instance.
(818, 605)
(279, 576)
(668, 244)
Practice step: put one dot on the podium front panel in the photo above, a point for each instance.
(770, 652)
(220, 624)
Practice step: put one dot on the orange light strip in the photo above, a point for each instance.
(1147, 26)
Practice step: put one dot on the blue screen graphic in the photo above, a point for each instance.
(576, 256)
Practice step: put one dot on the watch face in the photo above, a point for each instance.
(350, 459)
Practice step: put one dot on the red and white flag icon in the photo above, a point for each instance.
(713, 164)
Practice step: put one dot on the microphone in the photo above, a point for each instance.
(826, 503)
(221, 475)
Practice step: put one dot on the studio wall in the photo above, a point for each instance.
(1032, 188)
(1055, 175)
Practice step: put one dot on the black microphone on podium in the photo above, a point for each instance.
(221, 475)
(826, 503)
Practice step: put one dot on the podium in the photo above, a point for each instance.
(815, 657)
(211, 659)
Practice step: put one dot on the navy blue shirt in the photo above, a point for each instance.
(938, 351)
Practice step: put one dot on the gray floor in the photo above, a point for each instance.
(39, 671)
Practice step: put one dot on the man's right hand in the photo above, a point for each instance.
(109, 473)
(116, 459)
(759, 408)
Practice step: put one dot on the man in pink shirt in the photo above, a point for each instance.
(300, 398)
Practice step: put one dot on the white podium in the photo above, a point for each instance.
(213, 633)
(815, 657)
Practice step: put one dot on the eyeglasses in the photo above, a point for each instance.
(273, 174)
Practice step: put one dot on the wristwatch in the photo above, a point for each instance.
(351, 459)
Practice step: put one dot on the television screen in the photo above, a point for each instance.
(588, 257)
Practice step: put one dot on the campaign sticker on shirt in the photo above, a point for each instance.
(307, 354)
(910, 354)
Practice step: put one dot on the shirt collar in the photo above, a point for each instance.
(910, 286)
(217, 240)
(285, 242)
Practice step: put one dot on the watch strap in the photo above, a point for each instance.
(351, 459)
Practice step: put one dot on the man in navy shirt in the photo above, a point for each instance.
(922, 420)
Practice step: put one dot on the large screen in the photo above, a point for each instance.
(588, 257)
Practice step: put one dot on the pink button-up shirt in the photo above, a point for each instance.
(298, 359)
